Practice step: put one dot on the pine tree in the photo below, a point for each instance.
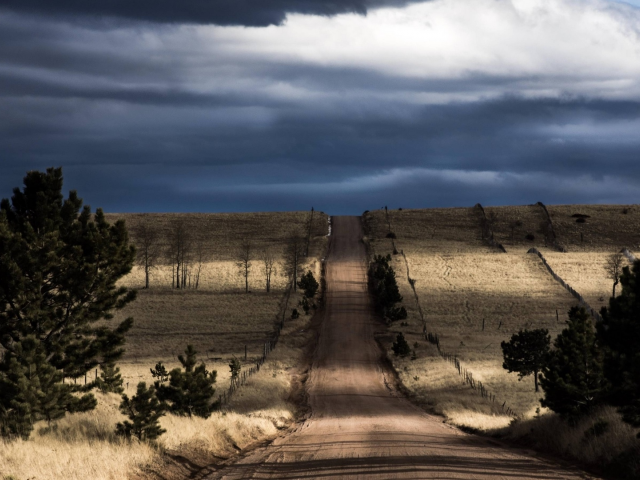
(619, 334)
(58, 272)
(160, 372)
(400, 347)
(526, 353)
(572, 378)
(234, 368)
(189, 392)
(309, 285)
(110, 379)
(31, 390)
(144, 410)
(384, 287)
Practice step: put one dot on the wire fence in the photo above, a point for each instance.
(567, 287)
(241, 379)
(467, 376)
(487, 232)
(434, 339)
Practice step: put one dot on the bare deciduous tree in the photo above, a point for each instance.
(614, 264)
(268, 263)
(309, 228)
(244, 262)
(148, 247)
(200, 257)
(514, 225)
(293, 253)
(178, 252)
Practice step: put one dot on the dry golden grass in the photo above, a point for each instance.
(549, 433)
(84, 445)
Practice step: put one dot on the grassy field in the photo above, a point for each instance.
(219, 319)
(84, 445)
(464, 285)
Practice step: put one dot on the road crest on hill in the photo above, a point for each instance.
(359, 426)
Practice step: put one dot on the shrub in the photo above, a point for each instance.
(400, 347)
(530, 236)
(391, 235)
(144, 410)
(295, 314)
(304, 303)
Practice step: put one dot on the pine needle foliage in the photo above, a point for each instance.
(59, 265)
(526, 353)
(572, 378)
(619, 334)
(384, 287)
(189, 392)
(144, 411)
(309, 285)
(110, 379)
(400, 347)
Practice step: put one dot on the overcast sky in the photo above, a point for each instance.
(251, 105)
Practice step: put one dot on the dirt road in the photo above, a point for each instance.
(359, 426)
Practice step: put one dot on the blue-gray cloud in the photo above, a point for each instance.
(164, 117)
(219, 12)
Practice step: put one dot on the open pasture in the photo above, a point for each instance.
(219, 319)
(475, 296)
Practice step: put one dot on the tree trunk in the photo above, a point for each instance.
(614, 288)
(535, 379)
(246, 278)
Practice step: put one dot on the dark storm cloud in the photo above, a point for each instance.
(160, 117)
(219, 12)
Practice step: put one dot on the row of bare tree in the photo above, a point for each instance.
(185, 252)
(178, 247)
(295, 249)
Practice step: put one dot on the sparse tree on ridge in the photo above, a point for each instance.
(309, 231)
(245, 252)
(526, 353)
(294, 251)
(148, 247)
(59, 265)
(269, 266)
(614, 264)
(513, 226)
